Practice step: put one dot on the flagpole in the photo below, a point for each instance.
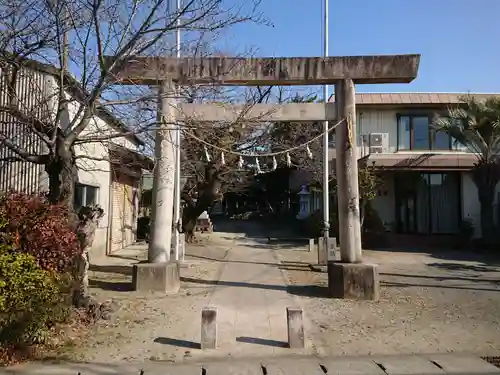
(177, 203)
(326, 195)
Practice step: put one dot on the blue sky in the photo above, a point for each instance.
(459, 40)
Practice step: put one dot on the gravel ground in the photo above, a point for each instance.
(142, 325)
(428, 304)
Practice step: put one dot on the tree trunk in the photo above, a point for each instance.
(486, 195)
(362, 212)
(206, 197)
(486, 176)
(63, 174)
(89, 219)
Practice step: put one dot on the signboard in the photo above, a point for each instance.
(332, 249)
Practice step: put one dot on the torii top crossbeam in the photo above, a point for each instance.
(266, 71)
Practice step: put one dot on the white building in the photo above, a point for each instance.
(111, 182)
(428, 190)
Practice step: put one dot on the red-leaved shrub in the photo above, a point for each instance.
(40, 229)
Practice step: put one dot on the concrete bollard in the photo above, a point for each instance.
(209, 328)
(295, 325)
(311, 244)
(182, 247)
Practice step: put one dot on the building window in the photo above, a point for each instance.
(415, 133)
(85, 195)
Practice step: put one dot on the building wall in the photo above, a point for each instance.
(379, 120)
(21, 176)
(384, 203)
(98, 173)
(36, 91)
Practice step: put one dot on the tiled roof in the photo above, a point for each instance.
(413, 98)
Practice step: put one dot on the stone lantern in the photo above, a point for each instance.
(304, 203)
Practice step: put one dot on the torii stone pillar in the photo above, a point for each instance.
(349, 278)
(164, 174)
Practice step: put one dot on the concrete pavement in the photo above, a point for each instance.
(456, 364)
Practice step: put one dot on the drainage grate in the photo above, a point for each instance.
(495, 361)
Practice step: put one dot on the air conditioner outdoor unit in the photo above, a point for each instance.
(376, 150)
(378, 143)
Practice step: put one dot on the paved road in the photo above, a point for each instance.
(390, 365)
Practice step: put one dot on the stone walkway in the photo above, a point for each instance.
(251, 298)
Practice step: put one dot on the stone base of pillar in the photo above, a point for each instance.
(156, 277)
(353, 281)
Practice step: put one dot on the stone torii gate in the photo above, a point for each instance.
(349, 278)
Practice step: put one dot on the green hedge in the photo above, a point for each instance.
(32, 300)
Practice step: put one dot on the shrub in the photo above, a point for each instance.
(40, 229)
(32, 299)
(372, 220)
(313, 224)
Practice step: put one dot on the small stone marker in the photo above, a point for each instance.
(327, 247)
(209, 328)
(311, 244)
(332, 249)
(295, 325)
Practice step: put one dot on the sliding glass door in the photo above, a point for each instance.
(428, 203)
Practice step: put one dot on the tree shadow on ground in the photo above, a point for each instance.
(177, 342)
(233, 284)
(314, 291)
(298, 290)
(277, 245)
(133, 258)
(261, 228)
(114, 286)
(447, 254)
(477, 279)
(462, 267)
(279, 265)
(393, 284)
(260, 341)
(120, 269)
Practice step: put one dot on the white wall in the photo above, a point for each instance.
(471, 209)
(98, 173)
(379, 120)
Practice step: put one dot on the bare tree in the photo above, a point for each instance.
(221, 157)
(51, 122)
(310, 160)
(70, 38)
